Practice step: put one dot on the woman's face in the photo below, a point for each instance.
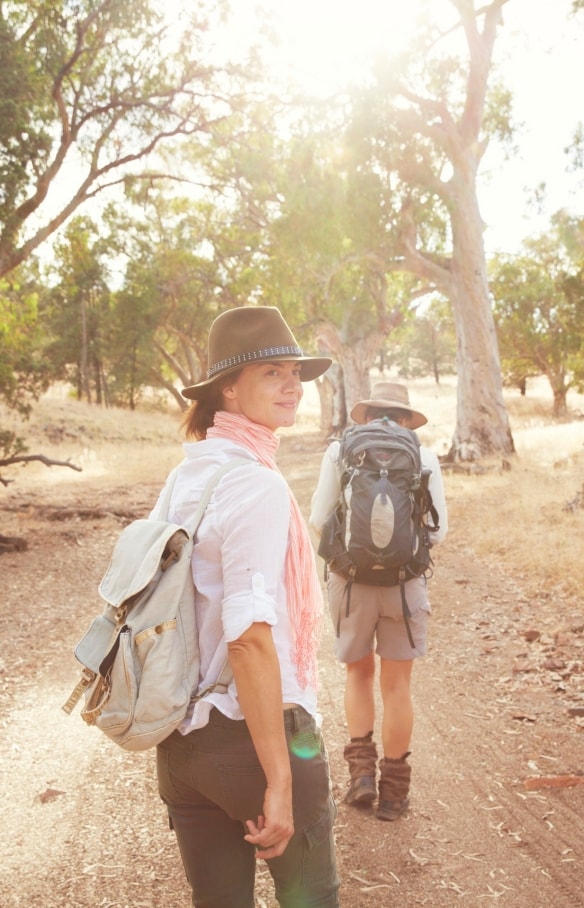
(267, 393)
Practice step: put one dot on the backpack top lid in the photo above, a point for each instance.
(136, 559)
(377, 442)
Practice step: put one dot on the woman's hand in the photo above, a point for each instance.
(272, 832)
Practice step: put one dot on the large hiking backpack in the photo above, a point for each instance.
(378, 533)
(140, 657)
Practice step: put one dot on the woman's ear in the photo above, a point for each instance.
(228, 392)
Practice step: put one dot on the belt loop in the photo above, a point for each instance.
(293, 720)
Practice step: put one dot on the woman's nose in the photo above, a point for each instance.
(292, 382)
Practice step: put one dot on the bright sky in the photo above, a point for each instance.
(539, 50)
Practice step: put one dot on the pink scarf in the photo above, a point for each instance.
(304, 595)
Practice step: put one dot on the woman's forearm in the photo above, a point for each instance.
(256, 671)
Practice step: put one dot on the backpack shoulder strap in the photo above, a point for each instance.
(226, 673)
(193, 524)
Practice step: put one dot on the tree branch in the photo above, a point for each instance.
(27, 458)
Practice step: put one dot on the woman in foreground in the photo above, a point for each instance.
(246, 774)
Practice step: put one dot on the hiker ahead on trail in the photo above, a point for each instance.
(378, 508)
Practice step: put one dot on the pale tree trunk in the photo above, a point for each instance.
(355, 356)
(333, 408)
(482, 424)
(84, 382)
(557, 380)
(560, 408)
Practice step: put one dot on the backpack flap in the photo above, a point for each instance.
(143, 548)
(96, 643)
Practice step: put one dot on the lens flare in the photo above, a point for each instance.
(305, 745)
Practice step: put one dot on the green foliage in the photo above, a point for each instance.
(425, 343)
(197, 259)
(89, 91)
(76, 307)
(25, 371)
(24, 135)
(539, 309)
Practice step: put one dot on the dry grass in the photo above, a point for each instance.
(530, 517)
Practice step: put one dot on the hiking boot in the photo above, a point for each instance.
(394, 787)
(392, 810)
(362, 791)
(361, 755)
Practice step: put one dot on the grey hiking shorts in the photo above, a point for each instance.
(375, 619)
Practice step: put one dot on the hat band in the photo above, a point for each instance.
(243, 358)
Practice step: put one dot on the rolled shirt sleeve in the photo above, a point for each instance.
(436, 488)
(327, 489)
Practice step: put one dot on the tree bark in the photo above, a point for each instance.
(482, 424)
(355, 356)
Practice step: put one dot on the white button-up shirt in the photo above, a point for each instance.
(238, 565)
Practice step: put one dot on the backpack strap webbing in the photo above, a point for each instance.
(347, 595)
(405, 607)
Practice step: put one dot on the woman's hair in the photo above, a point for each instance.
(394, 413)
(200, 415)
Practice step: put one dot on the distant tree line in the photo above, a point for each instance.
(357, 216)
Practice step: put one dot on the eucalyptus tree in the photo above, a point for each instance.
(94, 91)
(425, 343)
(196, 259)
(76, 309)
(539, 308)
(423, 127)
(379, 208)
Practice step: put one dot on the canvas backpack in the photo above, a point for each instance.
(140, 657)
(378, 533)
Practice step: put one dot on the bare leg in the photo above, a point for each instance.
(359, 696)
(398, 711)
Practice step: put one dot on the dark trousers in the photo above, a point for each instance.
(211, 781)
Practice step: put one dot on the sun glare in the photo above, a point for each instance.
(320, 44)
(325, 43)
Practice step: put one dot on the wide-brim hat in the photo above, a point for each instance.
(388, 395)
(253, 334)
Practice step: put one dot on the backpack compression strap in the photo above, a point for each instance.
(405, 607)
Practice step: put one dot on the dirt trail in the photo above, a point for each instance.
(83, 826)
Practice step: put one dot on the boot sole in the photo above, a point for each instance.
(392, 810)
(362, 800)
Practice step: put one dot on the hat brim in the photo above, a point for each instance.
(311, 367)
(359, 411)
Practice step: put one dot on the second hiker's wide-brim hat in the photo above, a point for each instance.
(388, 395)
(253, 334)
